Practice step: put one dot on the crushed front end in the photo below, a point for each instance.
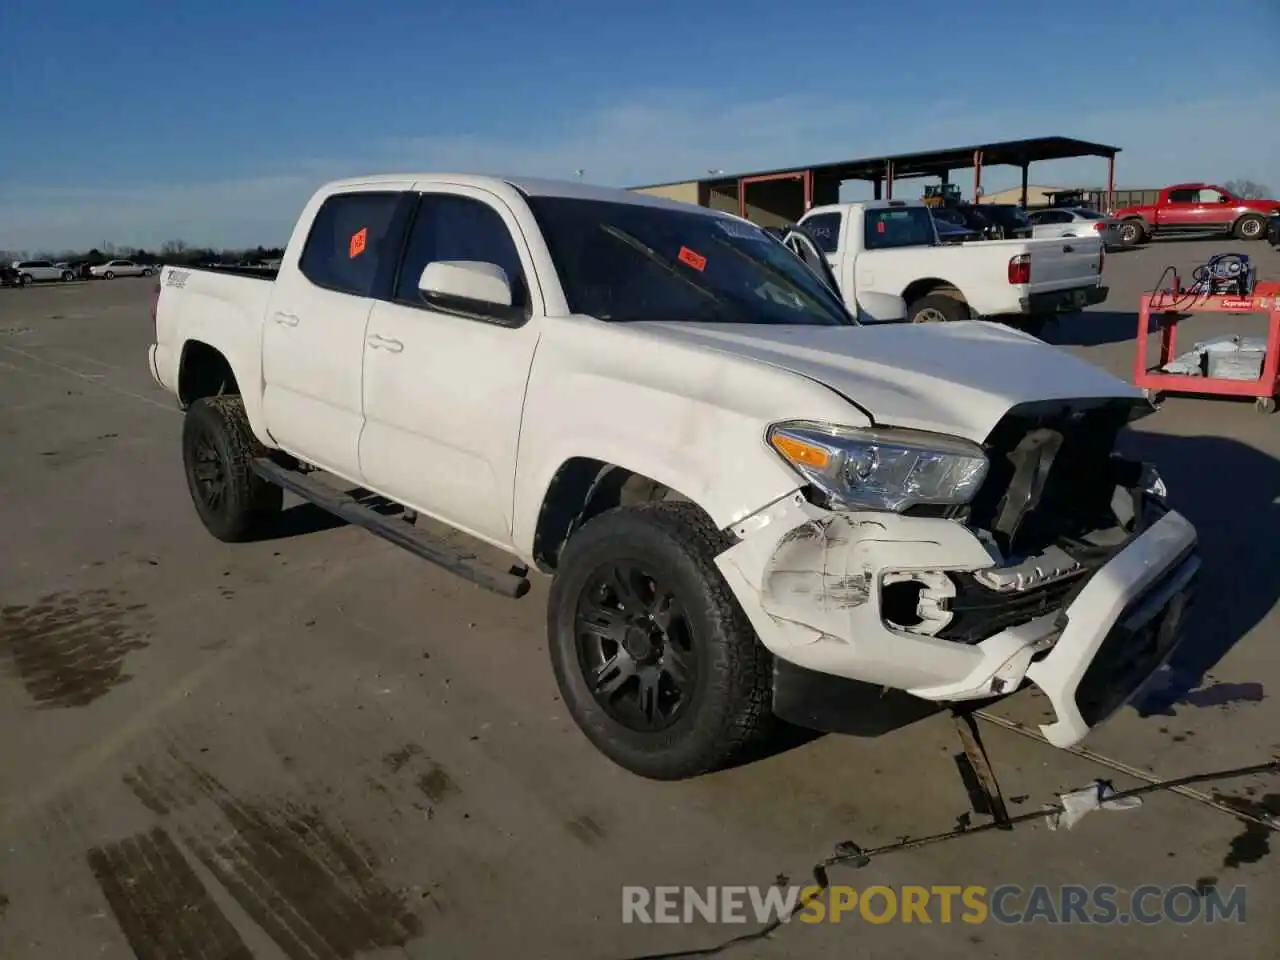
(1063, 567)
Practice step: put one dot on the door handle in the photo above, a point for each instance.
(385, 343)
(286, 319)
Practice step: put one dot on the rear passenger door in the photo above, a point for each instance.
(443, 386)
(314, 331)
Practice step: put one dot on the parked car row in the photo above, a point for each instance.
(24, 273)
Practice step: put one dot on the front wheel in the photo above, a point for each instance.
(109, 275)
(655, 660)
(67, 276)
(218, 447)
(27, 280)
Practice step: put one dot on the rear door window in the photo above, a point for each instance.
(353, 238)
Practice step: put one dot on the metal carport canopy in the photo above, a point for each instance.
(885, 169)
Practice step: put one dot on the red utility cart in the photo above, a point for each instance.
(1170, 306)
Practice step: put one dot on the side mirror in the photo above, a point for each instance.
(1226, 199)
(467, 285)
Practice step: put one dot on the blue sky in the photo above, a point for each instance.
(211, 122)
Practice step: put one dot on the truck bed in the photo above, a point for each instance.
(254, 273)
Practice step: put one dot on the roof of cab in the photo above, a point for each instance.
(530, 187)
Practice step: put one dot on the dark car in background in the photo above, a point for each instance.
(989, 221)
(9, 276)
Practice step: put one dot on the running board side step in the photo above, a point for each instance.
(392, 529)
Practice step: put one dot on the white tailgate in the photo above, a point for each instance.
(1065, 262)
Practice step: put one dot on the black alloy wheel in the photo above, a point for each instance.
(635, 647)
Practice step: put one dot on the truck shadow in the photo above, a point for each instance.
(1228, 490)
(306, 518)
(1092, 328)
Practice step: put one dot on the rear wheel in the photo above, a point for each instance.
(937, 308)
(1250, 227)
(1132, 233)
(656, 662)
(218, 447)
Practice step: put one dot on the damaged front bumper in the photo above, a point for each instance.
(814, 585)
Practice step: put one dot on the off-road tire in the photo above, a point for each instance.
(936, 304)
(249, 503)
(729, 710)
(1250, 227)
(1132, 233)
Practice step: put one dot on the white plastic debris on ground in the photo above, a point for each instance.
(1079, 802)
(1228, 356)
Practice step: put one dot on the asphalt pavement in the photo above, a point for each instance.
(317, 746)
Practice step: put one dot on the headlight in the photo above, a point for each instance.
(880, 469)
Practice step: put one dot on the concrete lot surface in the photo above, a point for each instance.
(316, 746)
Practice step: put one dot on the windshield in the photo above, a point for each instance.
(889, 227)
(630, 262)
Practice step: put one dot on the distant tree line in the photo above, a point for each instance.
(172, 252)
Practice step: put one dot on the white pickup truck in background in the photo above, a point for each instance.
(890, 248)
(752, 505)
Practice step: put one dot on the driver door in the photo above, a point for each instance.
(803, 246)
(443, 388)
(868, 307)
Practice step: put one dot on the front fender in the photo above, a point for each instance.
(692, 419)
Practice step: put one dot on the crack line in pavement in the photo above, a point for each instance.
(91, 378)
(1119, 766)
(848, 853)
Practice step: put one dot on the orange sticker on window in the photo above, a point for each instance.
(691, 259)
(358, 241)
(879, 226)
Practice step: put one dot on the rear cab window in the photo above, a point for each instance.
(354, 239)
(887, 228)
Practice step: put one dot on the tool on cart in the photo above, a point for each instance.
(1227, 274)
(1226, 365)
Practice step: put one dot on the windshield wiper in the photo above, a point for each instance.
(786, 282)
(639, 246)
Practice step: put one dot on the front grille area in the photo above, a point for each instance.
(1052, 474)
(979, 612)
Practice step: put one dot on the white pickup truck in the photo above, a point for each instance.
(753, 506)
(890, 248)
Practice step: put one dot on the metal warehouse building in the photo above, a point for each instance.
(777, 197)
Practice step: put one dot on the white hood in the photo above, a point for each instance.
(953, 378)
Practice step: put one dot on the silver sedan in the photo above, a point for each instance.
(1074, 222)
